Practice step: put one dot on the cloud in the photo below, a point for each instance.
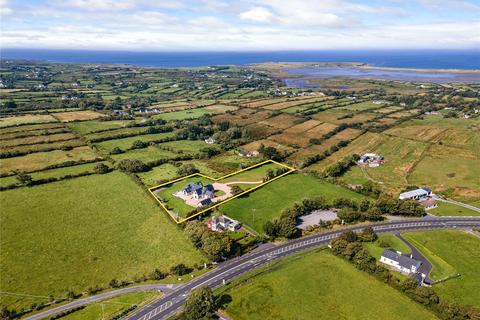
(257, 14)
(96, 5)
(5, 10)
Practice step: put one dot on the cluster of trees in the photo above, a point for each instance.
(216, 246)
(200, 305)
(349, 246)
(286, 225)
(351, 211)
(339, 168)
(132, 165)
(270, 174)
(194, 132)
(187, 169)
(270, 153)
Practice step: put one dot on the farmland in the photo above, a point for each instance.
(262, 205)
(301, 286)
(448, 260)
(124, 237)
(80, 145)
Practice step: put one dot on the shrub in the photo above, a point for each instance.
(132, 165)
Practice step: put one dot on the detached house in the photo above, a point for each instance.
(199, 192)
(223, 223)
(401, 262)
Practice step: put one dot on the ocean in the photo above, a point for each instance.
(419, 59)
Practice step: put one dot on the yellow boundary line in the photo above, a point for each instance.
(216, 179)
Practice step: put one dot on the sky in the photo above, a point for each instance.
(241, 25)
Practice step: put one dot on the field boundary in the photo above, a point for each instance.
(179, 221)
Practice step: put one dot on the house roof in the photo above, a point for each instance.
(415, 193)
(206, 202)
(404, 261)
(429, 202)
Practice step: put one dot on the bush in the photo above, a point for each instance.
(180, 269)
(132, 165)
(116, 150)
(101, 168)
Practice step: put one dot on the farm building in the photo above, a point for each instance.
(245, 153)
(397, 260)
(429, 204)
(371, 159)
(223, 223)
(417, 194)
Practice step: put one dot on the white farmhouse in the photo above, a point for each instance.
(403, 263)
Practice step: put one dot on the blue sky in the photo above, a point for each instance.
(240, 25)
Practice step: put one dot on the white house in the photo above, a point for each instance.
(417, 194)
(223, 223)
(402, 263)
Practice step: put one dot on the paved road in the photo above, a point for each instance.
(229, 270)
(80, 302)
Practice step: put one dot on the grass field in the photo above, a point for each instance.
(184, 114)
(393, 243)
(255, 174)
(83, 232)
(108, 308)
(84, 127)
(147, 154)
(267, 203)
(448, 209)
(452, 252)
(77, 115)
(26, 119)
(317, 286)
(126, 143)
(41, 160)
(192, 147)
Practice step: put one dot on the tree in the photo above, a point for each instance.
(138, 144)
(194, 230)
(269, 229)
(236, 190)
(180, 269)
(216, 245)
(101, 168)
(269, 175)
(157, 275)
(24, 179)
(132, 165)
(10, 104)
(116, 150)
(425, 296)
(271, 153)
(200, 305)
(349, 215)
(187, 169)
(368, 235)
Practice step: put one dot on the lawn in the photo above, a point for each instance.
(108, 308)
(317, 285)
(267, 203)
(78, 233)
(391, 240)
(448, 209)
(452, 252)
(192, 147)
(254, 174)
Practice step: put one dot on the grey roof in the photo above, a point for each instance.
(415, 193)
(206, 202)
(191, 187)
(404, 261)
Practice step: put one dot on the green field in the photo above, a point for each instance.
(317, 286)
(95, 228)
(192, 147)
(393, 243)
(254, 174)
(448, 209)
(84, 127)
(266, 203)
(126, 143)
(147, 154)
(452, 252)
(184, 114)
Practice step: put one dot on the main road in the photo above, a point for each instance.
(231, 269)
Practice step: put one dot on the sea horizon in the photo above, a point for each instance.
(461, 59)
